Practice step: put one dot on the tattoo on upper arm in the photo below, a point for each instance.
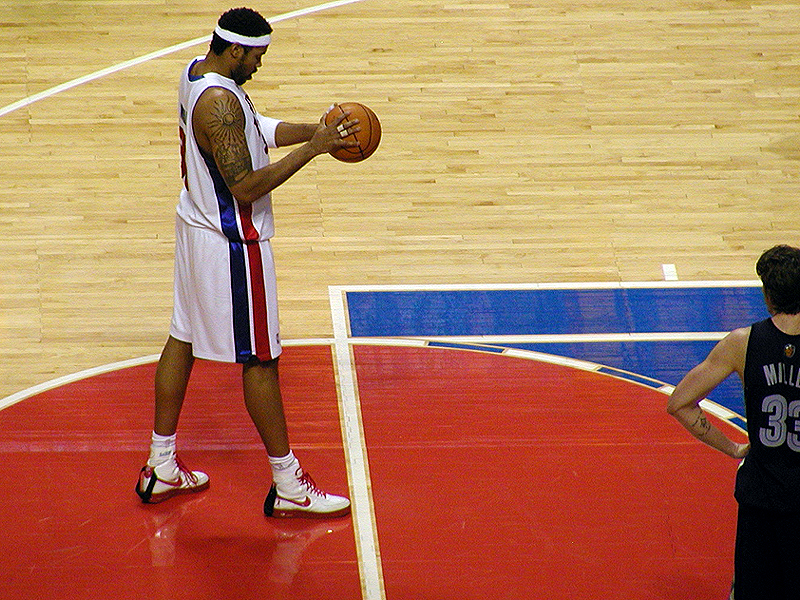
(226, 133)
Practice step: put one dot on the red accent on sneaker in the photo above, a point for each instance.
(177, 484)
(307, 507)
(183, 469)
(304, 504)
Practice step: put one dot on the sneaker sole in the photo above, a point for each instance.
(156, 498)
(307, 514)
(281, 513)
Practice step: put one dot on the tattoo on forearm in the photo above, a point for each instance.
(701, 425)
(226, 130)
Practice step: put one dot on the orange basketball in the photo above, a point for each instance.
(368, 138)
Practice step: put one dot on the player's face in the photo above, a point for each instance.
(248, 64)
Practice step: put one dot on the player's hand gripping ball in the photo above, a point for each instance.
(368, 137)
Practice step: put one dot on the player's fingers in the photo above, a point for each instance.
(348, 128)
(338, 119)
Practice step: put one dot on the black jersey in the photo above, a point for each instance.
(769, 477)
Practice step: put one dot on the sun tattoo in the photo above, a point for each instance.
(226, 132)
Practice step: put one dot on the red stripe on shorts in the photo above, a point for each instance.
(258, 295)
(260, 323)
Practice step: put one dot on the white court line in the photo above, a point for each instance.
(712, 407)
(570, 338)
(492, 287)
(67, 379)
(719, 411)
(118, 366)
(356, 454)
(154, 55)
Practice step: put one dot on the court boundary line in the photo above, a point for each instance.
(68, 85)
(355, 447)
(576, 338)
(602, 285)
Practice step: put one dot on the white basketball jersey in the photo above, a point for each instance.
(205, 200)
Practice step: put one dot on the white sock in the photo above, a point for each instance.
(284, 473)
(162, 448)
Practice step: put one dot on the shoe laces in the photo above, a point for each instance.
(184, 470)
(306, 481)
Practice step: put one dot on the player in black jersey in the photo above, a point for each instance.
(766, 356)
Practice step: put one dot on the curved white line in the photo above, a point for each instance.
(118, 366)
(66, 379)
(152, 56)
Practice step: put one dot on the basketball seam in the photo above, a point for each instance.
(359, 153)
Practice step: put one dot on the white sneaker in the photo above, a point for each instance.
(156, 484)
(310, 502)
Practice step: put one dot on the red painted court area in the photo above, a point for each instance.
(491, 477)
(74, 528)
(496, 477)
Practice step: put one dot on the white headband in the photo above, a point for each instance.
(237, 38)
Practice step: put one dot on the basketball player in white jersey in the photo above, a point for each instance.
(225, 305)
(766, 358)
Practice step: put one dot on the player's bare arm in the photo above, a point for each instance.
(727, 357)
(225, 132)
(291, 134)
(218, 123)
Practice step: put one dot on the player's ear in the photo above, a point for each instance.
(236, 51)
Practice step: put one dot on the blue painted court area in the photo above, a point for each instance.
(553, 317)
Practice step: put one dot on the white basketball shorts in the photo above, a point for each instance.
(225, 297)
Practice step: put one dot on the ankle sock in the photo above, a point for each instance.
(284, 472)
(162, 448)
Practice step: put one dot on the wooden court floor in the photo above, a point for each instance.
(566, 142)
(573, 141)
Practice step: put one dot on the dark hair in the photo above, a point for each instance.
(244, 21)
(779, 270)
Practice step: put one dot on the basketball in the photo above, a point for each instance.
(368, 138)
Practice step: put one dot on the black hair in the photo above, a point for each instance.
(244, 21)
(779, 270)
